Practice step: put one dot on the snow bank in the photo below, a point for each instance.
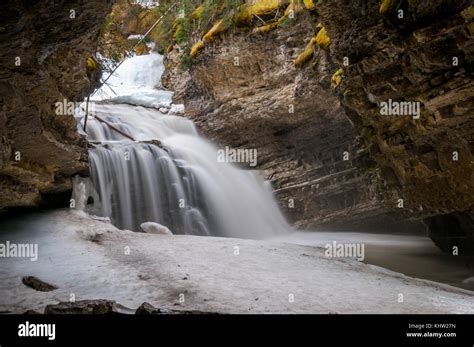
(91, 259)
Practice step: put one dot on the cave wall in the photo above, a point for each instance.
(43, 49)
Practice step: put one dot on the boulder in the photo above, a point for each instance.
(83, 307)
(155, 228)
(37, 284)
(148, 309)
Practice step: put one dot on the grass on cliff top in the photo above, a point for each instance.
(193, 23)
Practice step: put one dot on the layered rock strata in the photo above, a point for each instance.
(44, 47)
(321, 137)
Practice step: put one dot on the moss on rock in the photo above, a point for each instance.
(198, 12)
(91, 64)
(309, 4)
(322, 39)
(306, 55)
(468, 13)
(218, 28)
(294, 7)
(336, 79)
(197, 47)
(247, 12)
(386, 6)
(265, 28)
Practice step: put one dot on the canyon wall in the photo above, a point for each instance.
(417, 52)
(333, 160)
(245, 92)
(43, 51)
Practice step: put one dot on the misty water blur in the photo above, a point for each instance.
(169, 174)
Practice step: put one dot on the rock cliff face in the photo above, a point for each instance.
(244, 92)
(344, 164)
(44, 47)
(417, 52)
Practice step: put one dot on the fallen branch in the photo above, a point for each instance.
(114, 128)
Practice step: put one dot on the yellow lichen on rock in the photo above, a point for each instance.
(176, 24)
(177, 30)
(306, 55)
(468, 13)
(196, 48)
(322, 39)
(286, 16)
(265, 28)
(217, 28)
(309, 4)
(91, 64)
(262, 7)
(248, 11)
(470, 27)
(293, 8)
(336, 79)
(385, 6)
(198, 12)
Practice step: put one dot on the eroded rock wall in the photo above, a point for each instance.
(245, 92)
(417, 52)
(43, 49)
(390, 158)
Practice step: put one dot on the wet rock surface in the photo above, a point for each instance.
(344, 164)
(423, 54)
(306, 145)
(148, 309)
(44, 47)
(83, 307)
(103, 306)
(37, 284)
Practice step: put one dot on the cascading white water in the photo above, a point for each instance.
(176, 181)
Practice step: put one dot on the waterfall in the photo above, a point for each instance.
(169, 174)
